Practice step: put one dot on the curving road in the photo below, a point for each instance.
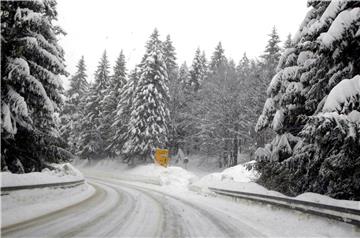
(131, 209)
(120, 209)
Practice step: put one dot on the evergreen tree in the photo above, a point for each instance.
(198, 70)
(31, 63)
(288, 42)
(267, 71)
(312, 105)
(149, 119)
(184, 75)
(184, 121)
(175, 89)
(243, 68)
(272, 53)
(121, 118)
(78, 83)
(170, 59)
(111, 100)
(72, 113)
(92, 141)
(198, 73)
(218, 58)
(119, 77)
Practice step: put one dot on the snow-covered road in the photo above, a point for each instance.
(121, 210)
(155, 214)
(127, 209)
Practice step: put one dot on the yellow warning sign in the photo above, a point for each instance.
(162, 156)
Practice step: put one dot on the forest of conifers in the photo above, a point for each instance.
(295, 108)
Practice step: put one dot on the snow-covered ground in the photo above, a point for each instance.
(22, 205)
(237, 178)
(122, 199)
(61, 173)
(171, 176)
(240, 178)
(136, 209)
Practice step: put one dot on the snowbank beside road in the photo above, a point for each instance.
(233, 176)
(240, 177)
(238, 173)
(23, 205)
(318, 198)
(172, 176)
(61, 173)
(237, 178)
(251, 187)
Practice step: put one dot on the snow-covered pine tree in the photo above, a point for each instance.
(72, 113)
(252, 89)
(313, 106)
(111, 101)
(184, 120)
(170, 59)
(270, 60)
(184, 75)
(92, 141)
(218, 59)
(288, 42)
(198, 70)
(149, 119)
(31, 63)
(174, 90)
(119, 76)
(78, 83)
(121, 118)
(272, 53)
(243, 68)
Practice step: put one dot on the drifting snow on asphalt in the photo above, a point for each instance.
(121, 208)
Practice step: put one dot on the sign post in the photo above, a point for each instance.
(162, 157)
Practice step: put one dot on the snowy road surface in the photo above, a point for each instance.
(123, 209)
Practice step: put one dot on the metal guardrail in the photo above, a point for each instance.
(5, 190)
(342, 214)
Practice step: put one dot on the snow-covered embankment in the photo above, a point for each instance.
(23, 205)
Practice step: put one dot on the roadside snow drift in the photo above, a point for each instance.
(62, 173)
(26, 204)
(170, 176)
(174, 176)
(23, 205)
(237, 175)
(241, 177)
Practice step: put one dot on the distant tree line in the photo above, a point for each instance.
(210, 107)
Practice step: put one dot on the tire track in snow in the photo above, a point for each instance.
(92, 226)
(169, 224)
(133, 208)
(16, 228)
(208, 220)
(181, 214)
(120, 209)
(65, 220)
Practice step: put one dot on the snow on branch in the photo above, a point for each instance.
(17, 103)
(6, 123)
(343, 94)
(19, 71)
(32, 44)
(45, 74)
(347, 22)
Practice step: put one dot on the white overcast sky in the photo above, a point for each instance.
(241, 25)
